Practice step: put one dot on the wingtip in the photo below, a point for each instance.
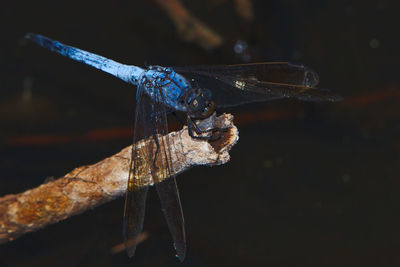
(337, 98)
(311, 78)
(130, 250)
(180, 251)
(181, 255)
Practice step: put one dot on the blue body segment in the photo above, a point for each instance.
(156, 79)
(126, 73)
(172, 85)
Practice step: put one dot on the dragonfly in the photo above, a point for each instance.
(195, 91)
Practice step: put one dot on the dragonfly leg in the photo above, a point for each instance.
(157, 150)
(193, 126)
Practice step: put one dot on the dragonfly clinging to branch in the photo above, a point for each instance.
(197, 92)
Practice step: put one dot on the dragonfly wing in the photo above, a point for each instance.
(152, 157)
(171, 206)
(142, 156)
(277, 72)
(238, 84)
(223, 93)
(167, 189)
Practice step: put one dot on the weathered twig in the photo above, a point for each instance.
(190, 28)
(89, 186)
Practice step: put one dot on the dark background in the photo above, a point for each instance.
(319, 187)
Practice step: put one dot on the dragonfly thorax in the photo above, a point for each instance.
(165, 86)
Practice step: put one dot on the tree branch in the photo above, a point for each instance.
(89, 186)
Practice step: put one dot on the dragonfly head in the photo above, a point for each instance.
(199, 104)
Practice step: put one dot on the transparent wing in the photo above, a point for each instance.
(238, 84)
(136, 192)
(167, 189)
(152, 157)
(277, 72)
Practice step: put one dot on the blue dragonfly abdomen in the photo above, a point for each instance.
(126, 73)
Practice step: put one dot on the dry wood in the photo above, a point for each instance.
(89, 186)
